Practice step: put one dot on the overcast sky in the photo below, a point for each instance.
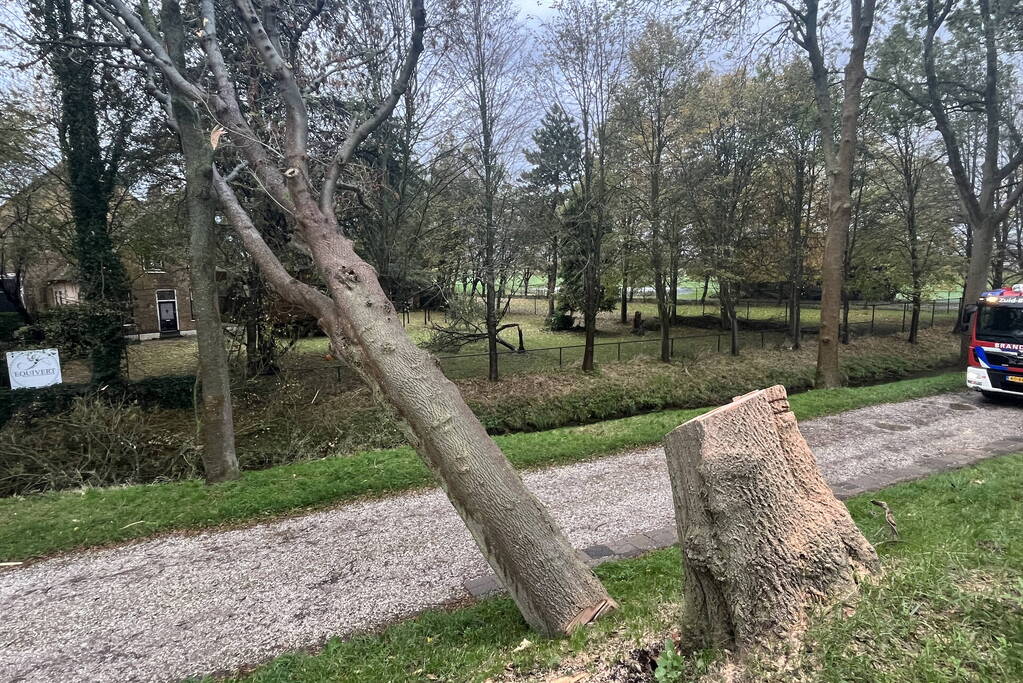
(532, 10)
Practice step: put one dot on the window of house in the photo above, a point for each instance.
(165, 295)
(153, 265)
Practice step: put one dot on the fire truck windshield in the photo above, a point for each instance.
(1000, 323)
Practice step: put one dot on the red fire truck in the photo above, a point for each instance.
(996, 342)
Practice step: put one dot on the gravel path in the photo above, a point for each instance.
(189, 605)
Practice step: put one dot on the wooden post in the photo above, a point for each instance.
(764, 541)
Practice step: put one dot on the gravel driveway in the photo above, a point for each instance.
(189, 605)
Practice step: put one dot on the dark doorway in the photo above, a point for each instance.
(167, 312)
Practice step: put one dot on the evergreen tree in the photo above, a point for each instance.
(557, 161)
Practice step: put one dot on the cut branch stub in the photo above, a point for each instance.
(764, 541)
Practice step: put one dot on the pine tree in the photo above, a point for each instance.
(557, 161)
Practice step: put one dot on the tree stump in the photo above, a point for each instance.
(764, 541)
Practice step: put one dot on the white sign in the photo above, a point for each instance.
(33, 369)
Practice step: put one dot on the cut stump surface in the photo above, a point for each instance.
(764, 541)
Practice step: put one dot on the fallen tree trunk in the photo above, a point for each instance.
(764, 541)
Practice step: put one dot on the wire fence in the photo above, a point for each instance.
(753, 308)
(865, 319)
(553, 358)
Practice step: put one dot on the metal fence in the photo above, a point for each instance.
(874, 319)
(560, 357)
(710, 305)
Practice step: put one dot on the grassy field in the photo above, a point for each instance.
(37, 525)
(949, 608)
(546, 350)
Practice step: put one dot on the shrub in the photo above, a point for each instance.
(9, 324)
(96, 442)
(283, 420)
(560, 321)
(75, 329)
(644, 385)
(169, 392)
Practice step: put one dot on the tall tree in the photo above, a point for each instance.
(984, 204)
(661, 75)
(906, 158)
(586, 51)
(484, 49)
(220, 463)
(66, 32)
(797, 159)
(556, 160)
(726, 161)
(552, 587)
(839, 147)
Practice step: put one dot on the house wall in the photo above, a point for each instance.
(143, 291)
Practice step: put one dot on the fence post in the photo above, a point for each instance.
(619, 350)
(948, 302)
(338, 369)
(903, 318)
(873, 313)
(933, 306)
(534, 306)
(671, 350)
(426, 316)
(719, 343)
(560, 355)
(747, 310)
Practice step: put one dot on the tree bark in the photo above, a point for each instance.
(981, 208)
(103, 283)
(553, 588)
(624, 307)
(839, 156)
(552, 277)
(220, 463)
(764, 541)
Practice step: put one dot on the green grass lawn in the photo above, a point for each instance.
(616, 343)
(949, 608)
(42, 524)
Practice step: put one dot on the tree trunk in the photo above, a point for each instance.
(552, 278)
(674, 289)
(729, 317)
(591, 292)
(839, 157)
(552, 587)
(102, 280)
(845, 318)
(914, 323)
(977, 273)
(828, 373)
(796, 254)
(795, 318)
(764, 541)
(220, 463)
(625, 288)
